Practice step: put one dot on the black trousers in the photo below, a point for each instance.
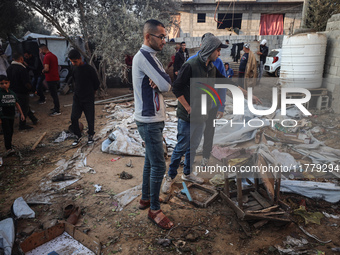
(209, 132)
(53, 88)
(24, 102)
(78, 107)
(7, 129)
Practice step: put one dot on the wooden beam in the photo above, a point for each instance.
(38, 141)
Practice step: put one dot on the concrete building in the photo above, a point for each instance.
(242, 17)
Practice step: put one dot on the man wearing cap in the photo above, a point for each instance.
(190, 130)
(247, 72)
(263, 55)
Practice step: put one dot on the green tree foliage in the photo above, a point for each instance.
(34, 24)
(319, 11)
(16, 19)
(12, 15)
(112, 27)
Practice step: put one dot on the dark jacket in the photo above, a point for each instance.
(86, 83)
(20, 80)
(180, 58)
(193, 68)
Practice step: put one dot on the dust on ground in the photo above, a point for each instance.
(213, 230)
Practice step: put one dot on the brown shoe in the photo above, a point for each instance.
(73, 219)
(68, 209)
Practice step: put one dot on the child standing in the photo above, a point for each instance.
(8, 101)
(86, 85)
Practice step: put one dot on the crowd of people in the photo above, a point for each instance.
(150, 81)
(16, 85)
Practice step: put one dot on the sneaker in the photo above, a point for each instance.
(192, 178)
(76, 142)
(10, 152)
(90, 139)
(168, 181)
(35, 122)
(26, 127)
(204, 161)
(55, 113)
(42, 102)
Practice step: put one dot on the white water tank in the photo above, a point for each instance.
(302, 61)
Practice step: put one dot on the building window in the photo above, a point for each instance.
(229, 20)
(200, 17)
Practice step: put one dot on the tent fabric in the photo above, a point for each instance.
(271, 24)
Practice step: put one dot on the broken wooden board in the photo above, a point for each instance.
(267, 178)
(40, 238)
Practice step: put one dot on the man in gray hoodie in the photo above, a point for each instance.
(149, 82)
(191, 123)
(190, 130)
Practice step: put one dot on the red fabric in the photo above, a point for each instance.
(128, 61)
(271, 24)
(52, 61)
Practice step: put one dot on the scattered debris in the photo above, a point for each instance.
(314, 217)
(329, 192)
(124, 175)
(124, 198)
(129, 164)
(199, 195)
(62, 177)
(98, 188)
(22, 210)
(164, 242)
(38, 141)
(313, 236)
(61, 239)
(74, 216)
(7, 235)
(115, 159)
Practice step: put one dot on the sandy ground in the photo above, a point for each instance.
(213, 230)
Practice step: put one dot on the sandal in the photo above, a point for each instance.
(143, 204)
(160, 220)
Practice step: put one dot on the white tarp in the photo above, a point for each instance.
(7, 235)
(320, 190)
(22, 210)
(58, 45)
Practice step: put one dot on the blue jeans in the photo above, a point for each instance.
(154, 164)
(189, 136)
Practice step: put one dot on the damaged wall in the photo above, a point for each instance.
(332, 61)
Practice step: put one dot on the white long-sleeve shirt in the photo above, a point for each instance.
(149, 102)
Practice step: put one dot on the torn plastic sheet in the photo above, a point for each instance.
(7, 235)
(125, 197)
(231, 134)
(284, 159)
(63, 136)
(22, 210)
(320, 190)
(125, 139)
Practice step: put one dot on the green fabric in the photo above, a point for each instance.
(314, 217)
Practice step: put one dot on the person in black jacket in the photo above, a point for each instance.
(34, 64)
(86, 84)
(182, 56)
(21, 85)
